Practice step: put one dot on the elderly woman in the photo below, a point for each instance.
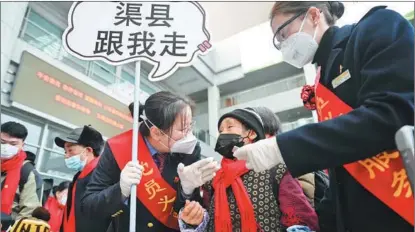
(241, 200)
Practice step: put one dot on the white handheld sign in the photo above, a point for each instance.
(168, 35)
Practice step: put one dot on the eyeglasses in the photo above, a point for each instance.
(184, 130)
(188, 128)
(277, 37)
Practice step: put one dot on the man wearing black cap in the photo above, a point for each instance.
(241, 200)
(82, 149)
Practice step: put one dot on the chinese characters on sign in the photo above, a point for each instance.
(167, 35)
(131, 13)
(110, 41)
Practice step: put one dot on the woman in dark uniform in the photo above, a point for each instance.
(363, 95)
(165, 141)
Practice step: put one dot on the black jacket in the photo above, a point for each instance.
(83, 223)
(378, 52)
(103, 194)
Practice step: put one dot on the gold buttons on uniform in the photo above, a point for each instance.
(117, 213)
(150, 225)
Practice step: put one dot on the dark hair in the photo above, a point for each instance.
(272, 124)
(332, 10)
(96, 150)
(54, 188)
(62, 186)
(41, 213)
(90, 137)
(161, 110)
(140, 110)
(14, 129)
(97, 147)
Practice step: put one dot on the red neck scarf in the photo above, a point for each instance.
(69, 222)
(12, 169)
(230, 175)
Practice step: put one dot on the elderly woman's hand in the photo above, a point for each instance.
(192, 213)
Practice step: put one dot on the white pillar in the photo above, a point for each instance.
(118, 73)
(213, 107)
(12, 15)
(310, 72)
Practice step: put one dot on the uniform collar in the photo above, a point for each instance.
(325, 46)
(334, 37)
(152, 150)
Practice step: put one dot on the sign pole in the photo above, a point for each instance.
(133, 198)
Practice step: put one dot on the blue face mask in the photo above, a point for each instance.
(75, 162)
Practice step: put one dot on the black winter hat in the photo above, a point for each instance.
(86, 136)
(248, 117)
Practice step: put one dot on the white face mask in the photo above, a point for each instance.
(8, 151)
(63, 199)
(300, 48)
(186, 145)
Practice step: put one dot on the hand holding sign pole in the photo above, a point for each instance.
(168, 35)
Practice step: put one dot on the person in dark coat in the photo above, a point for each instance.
(82, 149)
(363, 95)
(165, 141)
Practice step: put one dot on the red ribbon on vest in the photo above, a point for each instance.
(384, 174)
(69, 223)
(153, 191)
